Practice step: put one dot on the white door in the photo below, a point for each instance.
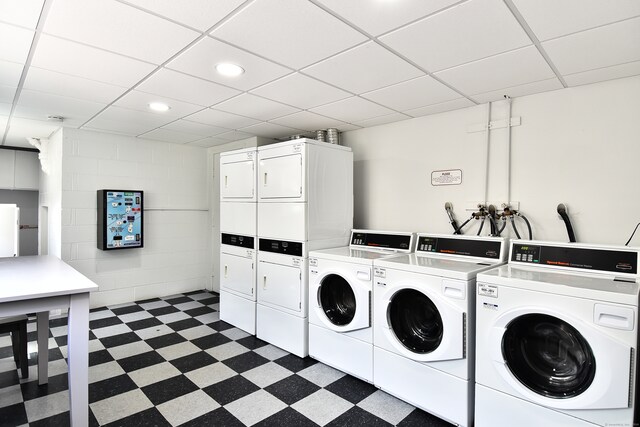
(9, 228)
(237, 275)
(421, 324)
(281, 177)
(237, 180)
(280, 286)
(342, 300)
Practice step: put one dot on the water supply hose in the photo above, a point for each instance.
(562, 211)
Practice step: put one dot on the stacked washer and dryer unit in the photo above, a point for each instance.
(238, 238)
(340, 294)
(305, 202)
(557, 337)
(424, 310)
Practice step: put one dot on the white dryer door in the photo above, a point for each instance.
(237, 275)
(423, 325)
(560, 362)
(343, 301)
(237, 180)
(281, 178)
(280, 286)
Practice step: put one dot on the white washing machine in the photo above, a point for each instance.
(340, 288)
(424, 322)
(238, 226)
(282, 295)
(557, 337)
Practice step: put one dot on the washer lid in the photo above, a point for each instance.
(435, 266)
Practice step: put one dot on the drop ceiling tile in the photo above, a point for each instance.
(363, 68)
(83, 61)
(235, 135)
(7, 93)
(200, 129)
(220, 118)
(520, 90)
(310, 34)
(16, 43)
(167, 135)
(136, 100)
(38, 105)
(22, 128)
(440, 108)
(42, 80)
(383, 120)
(198, 14)
(550, 18)
(209, 142)
(509, 69)
(602, 74)
(10, 73)
(5, 110)
(25, 13)
(300, 91)
(118, 28)
(255, 107)
(352, 110)
(308, 121)
(366, 14)
(600, 47)
(126, 121)
(182, 87)
(200, 60)
(270, 130)
(467, 32)
(412, 94)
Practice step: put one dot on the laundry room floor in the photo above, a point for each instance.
(171, 361)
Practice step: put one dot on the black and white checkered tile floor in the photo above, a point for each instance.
(171, 362)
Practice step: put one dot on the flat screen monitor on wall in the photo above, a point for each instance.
(120, 219)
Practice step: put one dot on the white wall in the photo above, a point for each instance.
(177, 253)
(578, 146)
(51, 199)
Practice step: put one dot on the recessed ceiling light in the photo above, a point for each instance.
(229, 70)
(159, 106)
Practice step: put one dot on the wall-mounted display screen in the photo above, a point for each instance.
(120, 214)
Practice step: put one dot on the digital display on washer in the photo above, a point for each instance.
(608, 260)
(466, 247)
(237, 240)
(378, 240)
(281, 247)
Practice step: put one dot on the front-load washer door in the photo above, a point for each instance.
(238, 275)
(560, 362)
(423, 326)
(344, 306)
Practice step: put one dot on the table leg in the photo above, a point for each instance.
(43, 347)
(78, 350)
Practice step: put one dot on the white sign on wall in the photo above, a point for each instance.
(446, 177)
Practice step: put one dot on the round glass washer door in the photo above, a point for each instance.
(415, 321)
(337, 300)
(548, 356)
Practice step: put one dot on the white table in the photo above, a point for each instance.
(38, 284)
